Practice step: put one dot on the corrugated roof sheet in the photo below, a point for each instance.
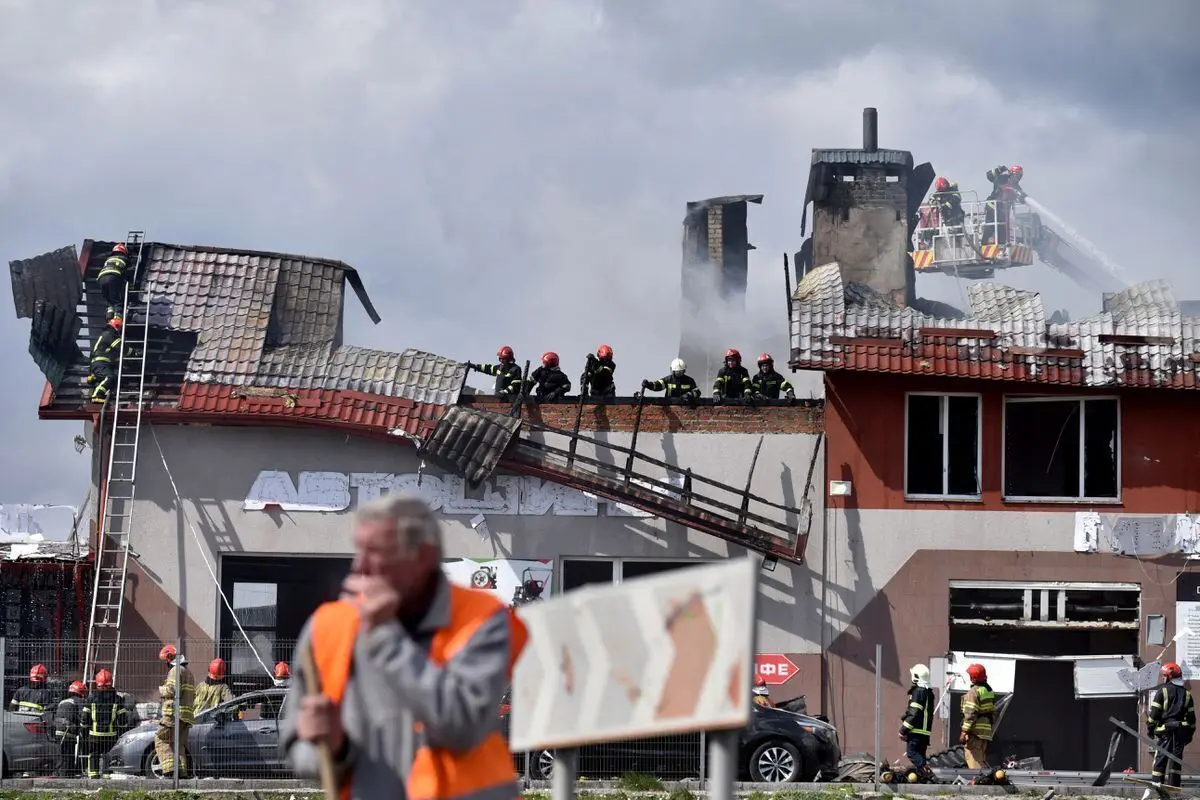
(51, 277)
(897, 158)
(469, 442)
(1142, 340)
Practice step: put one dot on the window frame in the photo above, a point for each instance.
(618, 566)
(945, 415)
(1080, 399)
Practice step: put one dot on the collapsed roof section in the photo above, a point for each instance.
(1140, 338)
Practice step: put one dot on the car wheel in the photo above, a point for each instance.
(152, 768)
(544, 766)
(775, 761)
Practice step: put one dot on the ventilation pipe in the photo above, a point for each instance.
(870, 130)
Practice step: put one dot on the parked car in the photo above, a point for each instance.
(28, 745)
(235, 738)
(777, 746)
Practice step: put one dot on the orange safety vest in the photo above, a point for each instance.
(437, 774)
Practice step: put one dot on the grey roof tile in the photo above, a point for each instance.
(469, 442)
(899, 158)
(52, 277)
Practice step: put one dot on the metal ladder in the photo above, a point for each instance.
(125, 403)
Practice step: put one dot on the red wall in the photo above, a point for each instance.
(864, 423)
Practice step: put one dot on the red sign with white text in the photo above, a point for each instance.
(774, 668)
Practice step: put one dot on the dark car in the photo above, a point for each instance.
(776, 747)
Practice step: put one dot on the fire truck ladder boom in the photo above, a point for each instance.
(112, 541)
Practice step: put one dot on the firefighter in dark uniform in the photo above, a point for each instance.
(769, 384)
(106, 352)
(947, 199)
(733, 381)
(549, 382)
(34, 697)
(916, 725)
(999, 205)
(598, 374)
(678, 385)
(1171, 722)
(507, 373)
(66, 729)
(112, 280)
(102, 721)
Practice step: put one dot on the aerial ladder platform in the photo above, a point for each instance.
(123, 416)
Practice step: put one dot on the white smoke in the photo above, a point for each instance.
(1061, 227)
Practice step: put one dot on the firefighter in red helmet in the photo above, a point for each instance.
(767, 384)
(215, 689)
(66, 728)
(733, 380)
(762, 695)
(947, 200)
(34, 697)
(178, 693)
(283, 675)
(549, 383)
(112, 280)
(978, 709)
(598, 374)
(102, 722)
(1171, 721)
(107, 352)
(506, 371)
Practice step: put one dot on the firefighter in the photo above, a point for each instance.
(34, 697)
(947, 199)
(101, 720)
(978, 708)
(507, 373)
(999, 205)
(1015, 173)
(106, 352)
(283, 675)
(215, 689)
(1171, 722)
(178, 696)
(767, 384)
(113, 279)
(598, 374)
(678, 385)
(66, 729)
(733, 381)
(762, 695)
(916, 725)
(548, 381)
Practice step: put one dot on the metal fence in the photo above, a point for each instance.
(238, 738)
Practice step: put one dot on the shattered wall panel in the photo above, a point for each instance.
(470, 442)
(52, 340)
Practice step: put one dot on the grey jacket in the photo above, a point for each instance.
(392, 685)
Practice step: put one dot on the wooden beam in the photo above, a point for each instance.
(1132, 339)
(956, 333)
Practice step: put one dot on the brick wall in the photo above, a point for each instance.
(658, 417)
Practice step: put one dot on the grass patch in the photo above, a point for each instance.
(639, 782)
(680, 793)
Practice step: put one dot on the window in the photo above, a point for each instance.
(577, 572)
(1061, 449)
(254, 604)
(942, 454)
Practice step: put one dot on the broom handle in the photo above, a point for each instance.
(312, 688)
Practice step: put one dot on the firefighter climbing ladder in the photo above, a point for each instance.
(125, 411)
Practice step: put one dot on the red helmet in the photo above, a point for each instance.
(104, 679)
(115, 323)
(759, 680)
(38, 674)
(168, 653)
(550, 359)
(734, 354)
(216, 669)
(765, 358)
(120, 248)
(77, 688)
(282, 671)
(977, 673)
(603, 351)
(941, 185)
(1171, 671)
(505, 353)
(1016, 170)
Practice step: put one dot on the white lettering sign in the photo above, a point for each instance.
(503, 495)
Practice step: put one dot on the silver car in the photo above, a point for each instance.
(29, 745)
(240, 737)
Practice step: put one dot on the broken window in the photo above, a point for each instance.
(1061, 449)
(942, 446)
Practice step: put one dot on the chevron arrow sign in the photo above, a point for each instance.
(670, 653)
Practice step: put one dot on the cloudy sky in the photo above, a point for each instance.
(515, 171)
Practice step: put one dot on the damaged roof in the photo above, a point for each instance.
(1140, 339)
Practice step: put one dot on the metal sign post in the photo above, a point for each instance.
(878, 709)
(178, 710)
(562, 779)
(722, 749)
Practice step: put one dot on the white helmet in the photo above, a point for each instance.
(919, 673)
(677, 365)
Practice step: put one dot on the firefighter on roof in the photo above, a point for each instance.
(598, 374)
(106, 353)
(678, 385)
(1171, 722)
(178, 697)
(978, 709)
(947, 199)
(769, 384)
(66, 728)
(548, 381)
(733, 380)
(283, 675)
(916, 725)
(102, 721)
(215, 689)
(112, 280)
(507, 373)
(34, 697)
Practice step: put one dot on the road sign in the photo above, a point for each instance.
(774, 668)
(669, 653)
